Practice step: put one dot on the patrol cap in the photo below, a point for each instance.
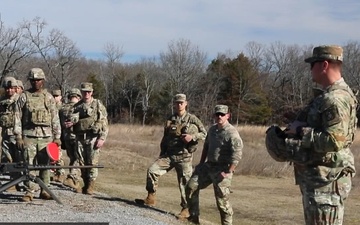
(326, 52)
(180, 98)
(56, 92)
(9, 82)
(36, 74)
(85, 86)
(74, 92)
(20, 84)
(221, 109)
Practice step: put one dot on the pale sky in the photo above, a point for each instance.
(144, 28)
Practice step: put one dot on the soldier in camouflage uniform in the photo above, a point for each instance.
(9, 120)
(20, 87)
(40, 126)
(181, 134)
(69, 137)
(323, 139)
(59, 174)
(221, 154)
(91, 131)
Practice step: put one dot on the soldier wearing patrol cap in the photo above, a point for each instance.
(20, 87)
(221, 154)
(181, 134)
(91, 129)
(323, 138)
(59, 174)
(40, 126)
(9, 119)
(73, 149)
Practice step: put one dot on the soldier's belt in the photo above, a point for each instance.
(218, 164)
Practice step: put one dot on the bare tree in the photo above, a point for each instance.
(351, 65)
(183, 63)
(59, 54)
(13, 48)
(149, 78)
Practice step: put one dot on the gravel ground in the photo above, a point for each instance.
(79, 208)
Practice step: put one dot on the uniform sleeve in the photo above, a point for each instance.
(205, 148)
(201, 134)
(102, 119)
(236, 147)
(17, 121)
(55, 120)
(336, 118)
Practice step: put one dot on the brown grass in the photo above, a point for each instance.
(263, 190)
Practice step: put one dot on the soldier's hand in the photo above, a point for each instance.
(20, 143)
(291, 128)
(57, 142)
(186, 138)
(68, 124)
(99, 143)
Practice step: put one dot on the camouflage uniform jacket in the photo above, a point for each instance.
(66, 113)
(223, 146)
(58, 105)
(172, 144)
(39, 115)
(92, 118)
(326, 140)
(9, 116)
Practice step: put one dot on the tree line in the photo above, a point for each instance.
(262, 84)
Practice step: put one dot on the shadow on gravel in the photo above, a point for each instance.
(136, 203)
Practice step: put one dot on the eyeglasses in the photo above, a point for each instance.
(220, 114)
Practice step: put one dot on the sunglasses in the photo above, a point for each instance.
(313, 64)
(220, 114)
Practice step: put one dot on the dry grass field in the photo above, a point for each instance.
(263, 190)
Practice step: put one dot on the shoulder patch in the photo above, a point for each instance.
(331, 115)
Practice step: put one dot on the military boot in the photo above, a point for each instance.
(90, 189)
(71, 182)
(184, 214)
(194, 219)
(150, 200)
(86, 185)
(59, 178)
(44, 195)
(28, 197)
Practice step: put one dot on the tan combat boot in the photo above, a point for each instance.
(59, 178)
(150, 200)
(71, 182)
(184, 214)
(44, 195)
(28, 197)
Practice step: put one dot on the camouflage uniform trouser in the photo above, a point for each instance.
(35, 154)
(204, 175)
(325, 205)
(89, 155)
(73, 151)
(10, 152)
(183, 168)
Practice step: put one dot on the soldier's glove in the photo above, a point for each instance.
(57, 142)
(20, 143)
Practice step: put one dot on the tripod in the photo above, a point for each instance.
(29, 177)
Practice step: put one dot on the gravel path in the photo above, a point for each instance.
(79, 208)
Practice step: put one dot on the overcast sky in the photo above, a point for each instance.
(144, 28)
